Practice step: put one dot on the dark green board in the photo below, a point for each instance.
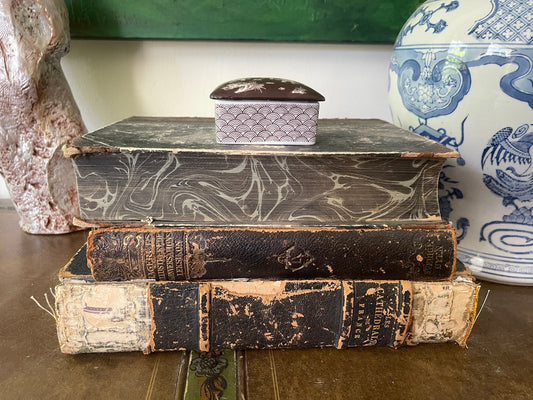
(272, 20)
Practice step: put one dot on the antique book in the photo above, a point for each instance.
(214, 315)
(171, 171)
(423, 252)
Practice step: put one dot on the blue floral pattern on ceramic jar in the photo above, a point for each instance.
(462, 74)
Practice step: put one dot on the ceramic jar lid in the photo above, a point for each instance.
(265, 89)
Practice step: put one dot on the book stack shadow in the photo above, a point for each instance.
(196, 245)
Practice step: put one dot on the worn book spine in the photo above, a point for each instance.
(259, 314)
(414, 253)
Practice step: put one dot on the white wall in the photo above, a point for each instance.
(112, 80)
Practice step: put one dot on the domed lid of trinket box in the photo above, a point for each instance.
(265, 89)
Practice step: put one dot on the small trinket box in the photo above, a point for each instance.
(266, 111)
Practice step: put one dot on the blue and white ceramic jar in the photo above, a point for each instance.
(462, 74)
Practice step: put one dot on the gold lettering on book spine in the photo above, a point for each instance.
(163, 256)
(166, 248)
(150, 271)
(160, 259)
(434, 257)
(378, 317)
(179, 256)
(169, 256)
(361, 318)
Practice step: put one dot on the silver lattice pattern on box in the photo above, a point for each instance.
(267, 123)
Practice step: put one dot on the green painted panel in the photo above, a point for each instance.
(273, 20)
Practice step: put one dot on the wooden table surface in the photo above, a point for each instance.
(498, 363)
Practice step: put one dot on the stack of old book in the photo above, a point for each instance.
(205, 246)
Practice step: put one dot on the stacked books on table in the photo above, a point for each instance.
(203, 246)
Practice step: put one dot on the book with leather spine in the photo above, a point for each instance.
(411, 252)
(212, 315)
(171, 171)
